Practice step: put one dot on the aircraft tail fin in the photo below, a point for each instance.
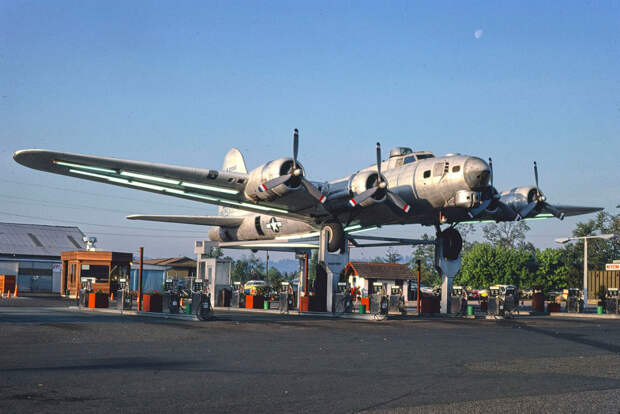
(233, 162)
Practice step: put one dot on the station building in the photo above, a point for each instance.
(32, 252)
(365, 276)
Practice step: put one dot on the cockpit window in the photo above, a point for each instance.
(427, 173)
(456, 168)
(409, 159)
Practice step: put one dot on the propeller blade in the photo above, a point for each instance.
(526, 210)
(271, 184)
(474, 212)
(557, 213)
(379, 162)
(360, 198)
(313, 191)
(536, 173)
(508, 211)
(399, 202)
(295, 147)
(491, 167)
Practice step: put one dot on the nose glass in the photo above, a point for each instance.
(477, 173)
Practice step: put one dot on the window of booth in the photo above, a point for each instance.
(100, 273)
(119, 271)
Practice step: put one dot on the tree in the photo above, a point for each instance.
(215, 253)
(247, 268)
(426, 254)
(466, 231)
(392, 256)
(275, 278)
(600, 251)
(485, 265)
(508, 234)
(553, 271)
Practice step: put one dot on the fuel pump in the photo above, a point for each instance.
(286, 297)
(378, 299)
(124, 299)
(612, 300)
(235, 297)
(502, 299)
(574, 303)
(197, 288)
(495, 306)
(343, 303)
(85, 288)
(397, 300)
(172, 298)
(201, 300)
(456, 300)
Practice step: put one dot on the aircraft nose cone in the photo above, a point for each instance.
(477, 173)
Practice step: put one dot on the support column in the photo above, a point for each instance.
(333, 264)
(447, 270)
(585, 274)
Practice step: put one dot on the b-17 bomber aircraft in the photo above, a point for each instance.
(276, 200)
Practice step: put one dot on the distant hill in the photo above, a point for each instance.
(285, 265)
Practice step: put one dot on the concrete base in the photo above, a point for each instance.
(447, 269)
(333, 264)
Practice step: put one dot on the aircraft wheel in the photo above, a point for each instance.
(452, 243)
(335, 236)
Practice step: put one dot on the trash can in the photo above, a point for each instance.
(599, 310)
(362, 309)
(266, 304)
(470, 310)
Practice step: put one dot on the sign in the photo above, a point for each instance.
(612, 266)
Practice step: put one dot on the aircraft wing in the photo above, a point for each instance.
(207, 186)
(573, 210)
(223, 221)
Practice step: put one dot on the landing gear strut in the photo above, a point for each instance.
(335, 236)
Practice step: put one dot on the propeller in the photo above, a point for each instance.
(539, 199)
(493, 202)
(295, 177)
(380, 190)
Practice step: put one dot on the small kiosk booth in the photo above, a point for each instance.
(102, 269)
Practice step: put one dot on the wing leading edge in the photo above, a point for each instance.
(199, 220)
(222, 188)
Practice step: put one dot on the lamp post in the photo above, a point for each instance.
(563, 240)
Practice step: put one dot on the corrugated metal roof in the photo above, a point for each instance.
(183, 261)
(39, 240)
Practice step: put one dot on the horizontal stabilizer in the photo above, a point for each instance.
(574, 210)
(227, 221)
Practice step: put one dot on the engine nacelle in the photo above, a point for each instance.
(519, 197)
(467, 199)
(363, 181)
(251, 228)
(269, 171)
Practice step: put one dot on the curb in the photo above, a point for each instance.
(161, 315)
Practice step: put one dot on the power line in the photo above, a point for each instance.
(107, 196)
(32, 201)
(159, 236)
(94, 224)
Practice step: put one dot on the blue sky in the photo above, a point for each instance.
(182, 82)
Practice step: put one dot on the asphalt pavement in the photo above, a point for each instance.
(53, 359)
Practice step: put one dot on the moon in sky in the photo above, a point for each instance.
(478, 33)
